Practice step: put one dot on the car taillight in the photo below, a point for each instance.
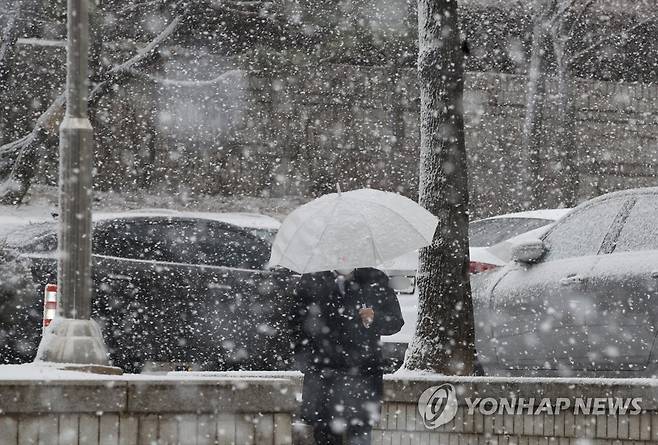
(477, 267)
(49, 304)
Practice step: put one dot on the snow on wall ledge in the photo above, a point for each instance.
(258, 409)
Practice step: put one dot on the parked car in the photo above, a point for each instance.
(181, 287)
(483, 234)
(488, 250)
(488, 232)
(581, 299)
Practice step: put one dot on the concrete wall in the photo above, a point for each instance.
(401, 423)
(226, 408)
(301, 130)
(298, 128)
(146, 412)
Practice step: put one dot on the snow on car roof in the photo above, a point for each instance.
(21, 215)
(12, 217)
(552, 214)
(248, 220)
(21, 223)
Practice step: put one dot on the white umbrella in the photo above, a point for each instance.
(360, 228)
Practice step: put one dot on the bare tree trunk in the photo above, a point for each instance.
(566, 142)
(534, 113)
(10, 35)
(445, 337)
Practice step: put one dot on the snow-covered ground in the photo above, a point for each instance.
(42, 200)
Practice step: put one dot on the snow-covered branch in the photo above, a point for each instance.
(21, 153)
(137, 6)
(585, 52)
(562, 12)
(144, 55)
(588, 4)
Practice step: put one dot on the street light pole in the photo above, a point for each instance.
(73, 337)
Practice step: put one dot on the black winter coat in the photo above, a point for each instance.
(331, 334)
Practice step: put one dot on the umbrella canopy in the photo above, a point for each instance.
(360, 228)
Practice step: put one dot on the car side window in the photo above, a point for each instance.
(106, 238)
(134, 239)
(640, 231)
(229, 246)
(581, 233)
(198, 241)
(181, 241)
(486, 233)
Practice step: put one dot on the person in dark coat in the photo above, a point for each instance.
(340, 319)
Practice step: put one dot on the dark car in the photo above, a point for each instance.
(581, 300)
(188, 288)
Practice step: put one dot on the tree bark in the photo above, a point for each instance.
(534, 113)
(445, 337)
(10, 35)
(567, 149)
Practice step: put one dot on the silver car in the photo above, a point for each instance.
(581, 300)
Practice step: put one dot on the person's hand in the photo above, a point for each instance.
(367, 315)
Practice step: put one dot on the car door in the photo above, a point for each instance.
(140, 290)
(244, 306)
(541, 311)
(624, 283)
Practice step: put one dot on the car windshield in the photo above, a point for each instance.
(640, 231)
(488, 232)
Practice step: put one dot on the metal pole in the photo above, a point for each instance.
(76, 136)
(73, 337)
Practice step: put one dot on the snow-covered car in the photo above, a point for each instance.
(488, 232)
(182, 287)
(483, 234)
(579, 300)
(489, 249)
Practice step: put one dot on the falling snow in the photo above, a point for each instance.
(214, 120)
